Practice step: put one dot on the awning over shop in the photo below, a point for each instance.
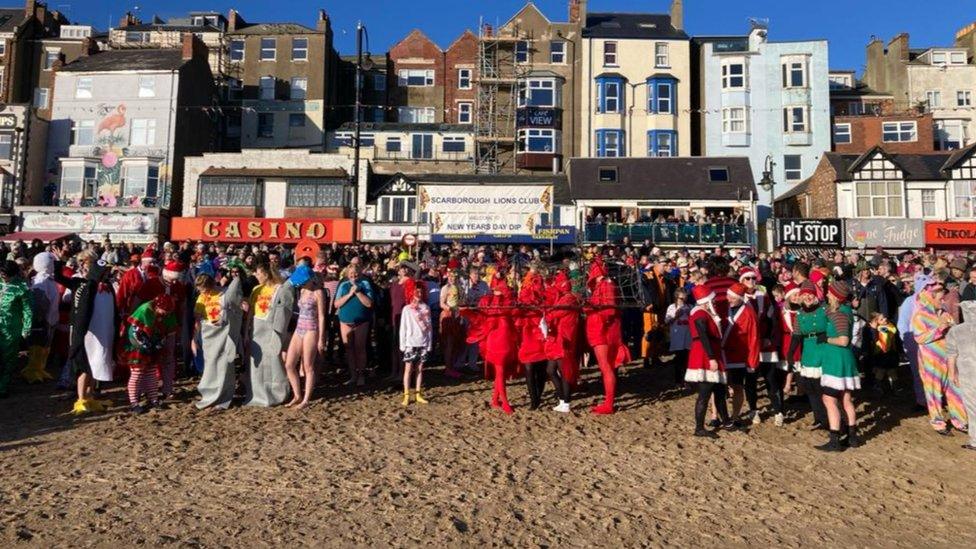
(28, 236)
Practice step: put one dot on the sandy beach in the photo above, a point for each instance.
(357, 469)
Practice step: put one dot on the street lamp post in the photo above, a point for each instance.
(768, 184)
(358, 119)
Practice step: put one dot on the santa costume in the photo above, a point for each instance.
(562, 337)
(531, 349)
(169, 282)
(761, 303)
(706, 365)
(603, 332)
(740, 342)
(127, 296)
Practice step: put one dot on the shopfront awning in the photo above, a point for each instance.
(28, 236)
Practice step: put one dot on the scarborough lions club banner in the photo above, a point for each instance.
(483, 209)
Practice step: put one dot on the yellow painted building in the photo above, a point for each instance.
(636, 85)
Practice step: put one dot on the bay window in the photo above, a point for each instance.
(538, 92)
(609, 143)
(733, 74)
(398, 209)
(315, 193)
(964, 195)
(663, 143)
(734, 120)
(610, 94)
(879, 199)
(794, 71)
(78, 180)
(231, 191)
(795, 120)
(538, 141)
(140, 180)
(661, 93)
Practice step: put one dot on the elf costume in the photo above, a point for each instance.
(146, 331)
(16, 317)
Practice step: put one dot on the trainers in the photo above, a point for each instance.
(778, 420)
(562, 408)
(137, 409)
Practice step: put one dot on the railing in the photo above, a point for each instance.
(693, 234)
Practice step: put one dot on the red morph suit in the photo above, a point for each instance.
(531, 297)
(603, 332)
(562, 322)
(493, 327)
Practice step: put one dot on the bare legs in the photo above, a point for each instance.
(354, 337)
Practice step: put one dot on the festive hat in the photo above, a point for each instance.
(737, 289)
(149, 254)
(840, 290)
(747, 271)
(306, 248)
(173, 269)
(702, 295)
(791, 289)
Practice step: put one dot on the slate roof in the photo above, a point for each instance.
(915, 167)
(799, 188)
(10, 18)
(169, 27)
(275, 172)
(560, 184)
(631, 25)
(681, 178)
(129, 60)
(273, 28)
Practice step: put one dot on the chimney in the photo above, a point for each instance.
(677, 15)
(322, 25)
(234, 21)
(30, 8)
(128, 20)
(577, 11)
(900, 43)
(193, 47)
(88, 46)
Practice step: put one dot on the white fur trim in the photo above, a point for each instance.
(699, 376)
(841, 383)
(810, 372)
(707, 299)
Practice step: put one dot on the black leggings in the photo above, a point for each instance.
(680, 362)
(752, 388)
(775, 379)
(535, 379)
(814, 392)
(560, 383)
(705, 391)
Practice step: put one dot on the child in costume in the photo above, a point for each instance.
(146, 332)
(416, 338)
(883, 354)
(16, 316)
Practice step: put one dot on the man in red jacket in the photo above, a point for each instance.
(740, 343)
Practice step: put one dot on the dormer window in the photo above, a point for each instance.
(718, 175)
(608, 174)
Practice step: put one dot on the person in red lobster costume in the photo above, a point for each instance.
(603, 332)
(706, 364)
(740, 344)
(531, 348)
(493, 326)
(562, 337)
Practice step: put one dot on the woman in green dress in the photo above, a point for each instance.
(840, 375)
(812, 325)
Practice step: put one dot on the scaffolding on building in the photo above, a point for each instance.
(498, 78)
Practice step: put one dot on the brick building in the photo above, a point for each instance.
(430, 85)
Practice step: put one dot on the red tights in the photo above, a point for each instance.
(499, 397)
(609, 380)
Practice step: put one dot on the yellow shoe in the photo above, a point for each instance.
(420, 399)
(406, 398)
(81, 407)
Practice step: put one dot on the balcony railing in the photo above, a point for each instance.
(682, 234)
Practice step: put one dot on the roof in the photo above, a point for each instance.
(169, 27)
(958, 156)
(681, 178)
(797, 189)
(274, 172)
(10, 18)
(560, 183)
(915, 167)
(860, 90)
(631, 25)
(128, 60)
(407, 127)
(273, 28)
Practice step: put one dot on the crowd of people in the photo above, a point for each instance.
(257, 323)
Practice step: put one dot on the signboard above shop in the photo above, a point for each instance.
(485, 209)
(888, 233)
(539, 117)
(948, 233)
(284, 231)
(821, 233)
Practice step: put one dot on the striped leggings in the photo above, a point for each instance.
(143, 381)
(937, 386)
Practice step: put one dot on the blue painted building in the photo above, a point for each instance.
(760, 98)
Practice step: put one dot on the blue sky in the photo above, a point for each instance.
(848, 24)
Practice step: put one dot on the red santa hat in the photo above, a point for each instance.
(149, 254)
(791, 289)
(173, 270)
(738, 289)
(702, 295)
(747, 271)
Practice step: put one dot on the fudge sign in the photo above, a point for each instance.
(810, 232)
